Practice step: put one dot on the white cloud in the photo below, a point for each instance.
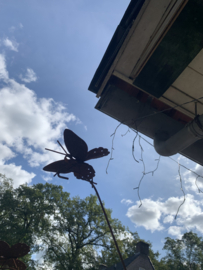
(18, 175)
(191, 181)
(155, 215)
(168, 219)
(47, 177)
(124, 235)
(6, 153)
(147, 216)
(29, 76)
(12, 45)
(13, 28)
(3, 71)
(27, 125)
(175, 231)
(127, 202)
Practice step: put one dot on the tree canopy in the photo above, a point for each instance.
(185, 253)
(68, 233)
(71, 233)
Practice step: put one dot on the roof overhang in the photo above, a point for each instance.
(154, 62)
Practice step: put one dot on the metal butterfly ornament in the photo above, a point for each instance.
(74, 161)
(9, 256)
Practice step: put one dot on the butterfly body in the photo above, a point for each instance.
(75, 160)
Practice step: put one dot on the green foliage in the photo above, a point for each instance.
(25, 212)
(184, 253)
(127, 245)
(126, 241)
(79, 229)
(71, 233)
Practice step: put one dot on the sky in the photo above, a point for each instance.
(49, 52)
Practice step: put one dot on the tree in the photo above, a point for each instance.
(25, 211)
(69, 233)
(184, 253)
(78, 231)
(174, 258)
(193, 251)
(127, 242)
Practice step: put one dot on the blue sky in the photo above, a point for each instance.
(49, 51)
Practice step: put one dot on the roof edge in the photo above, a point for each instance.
(115, 44)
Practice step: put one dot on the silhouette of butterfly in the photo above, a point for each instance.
(9, 255)
(75, 160)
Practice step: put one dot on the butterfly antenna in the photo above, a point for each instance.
(62, 147)
(55, 151)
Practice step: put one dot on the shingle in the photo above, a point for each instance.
(119, 266)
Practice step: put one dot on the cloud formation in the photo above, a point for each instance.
(18, 175)
(156, 215)
(12, 45)
(192, 182)
(13, 28)
(127, 202)
(29, 76)
(27, 125)
(175, 231)
(3, 71)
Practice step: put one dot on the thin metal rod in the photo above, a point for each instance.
(62, 147)
(109, 226)
(195, 108)
(14, 261)
(55, 151)
(89, 181)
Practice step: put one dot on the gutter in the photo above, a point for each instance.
(115, 44)
(191, 133)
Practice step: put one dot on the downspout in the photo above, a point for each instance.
(191, 133)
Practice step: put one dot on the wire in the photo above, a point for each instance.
(133, 147)
(181, 187)
(200, 191)
(153, 171)
(142, 150)
(126, 132)
(144, 171)
(134, 122)
(112, 148)
(171, 108)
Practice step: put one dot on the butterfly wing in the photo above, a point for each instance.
(20, 265)
(84, 171)
(61, 166)
(7, 262)
(19, 250)
(4, 249)
(97, 153)
(75, 145)
(81, 170)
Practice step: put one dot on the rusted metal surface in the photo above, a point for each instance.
(9, 255)
(74, 161)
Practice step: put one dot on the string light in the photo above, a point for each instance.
(142, 150)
